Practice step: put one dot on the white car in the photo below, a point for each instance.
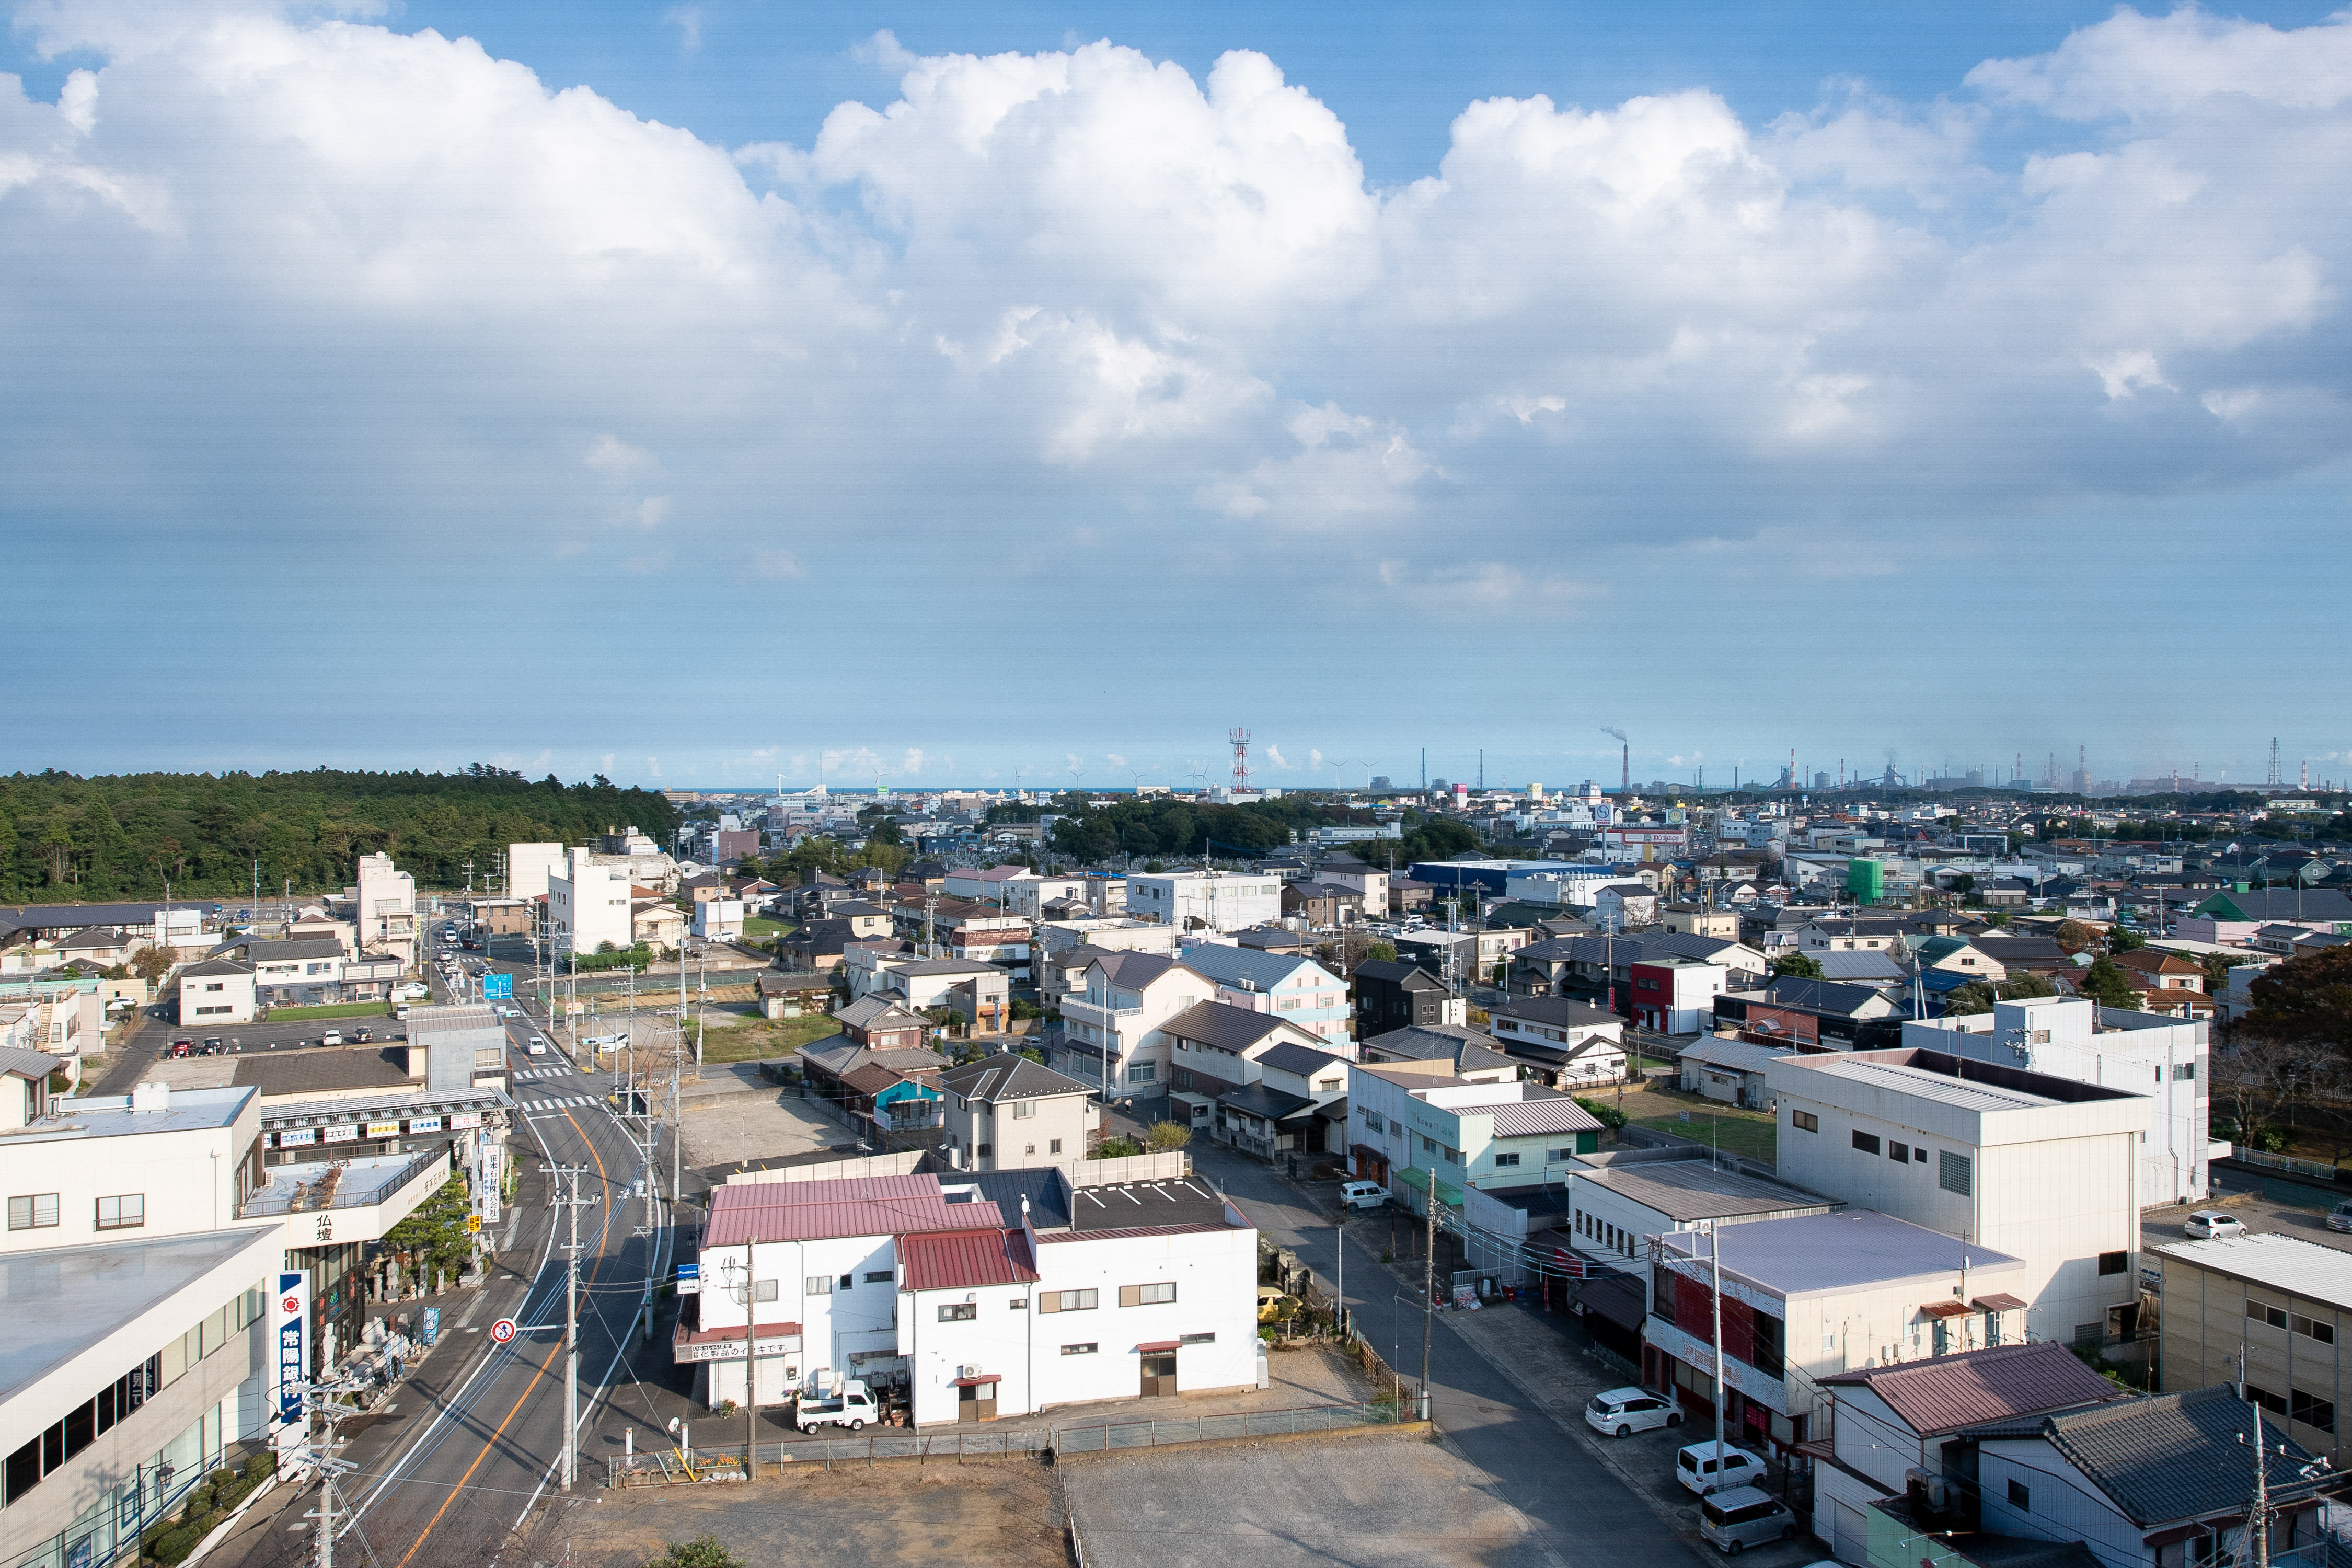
(538, 1046)
(416, 988)
(2212, 1224)
(332, 1037)
(1363, 1194)
(1703, 1469)
(1621, 1412)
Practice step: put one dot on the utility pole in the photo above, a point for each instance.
(1428, 1293)
(748, 1294)
(574, 1203)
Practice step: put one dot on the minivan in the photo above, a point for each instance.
(1621, 1412)
(1362, 1195)
(1698, 1467)
(1742, 1517)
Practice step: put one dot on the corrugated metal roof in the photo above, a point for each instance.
(1739, 1056)
(2287, 1264)
(1813, 1252)
(1976, 1387)
(960, 1259)
(1935, 1085)
(1529, 1118)
(812, 1211)
(1685, 1190)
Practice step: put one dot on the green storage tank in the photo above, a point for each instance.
(1865, 880)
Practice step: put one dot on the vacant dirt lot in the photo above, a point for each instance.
(996, 1513)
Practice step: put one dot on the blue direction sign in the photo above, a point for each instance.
(497, 988)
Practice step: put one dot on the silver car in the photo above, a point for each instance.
(1621, 1412)
(1739, 1517)
(2214, 1224)
(2340, 1216)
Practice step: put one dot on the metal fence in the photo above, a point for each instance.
(672, 1467)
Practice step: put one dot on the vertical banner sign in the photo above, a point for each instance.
(493, 1178)
(289, 1314)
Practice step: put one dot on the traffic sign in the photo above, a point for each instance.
(503, 1330)
(473, 1224)
(497, 988)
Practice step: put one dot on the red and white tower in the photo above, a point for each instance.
(1240, 738)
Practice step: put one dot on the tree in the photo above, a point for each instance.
(2019, 987)
(2073, 937)
(1117, 1149)
(2105, 984)
(1964, 884)
(2256, 1077)
(702, 1552)
(433, 1238)
(1966, 1001)
(2305, 1001)
(2122, 941)
(1166, 1137)
(1798, 966)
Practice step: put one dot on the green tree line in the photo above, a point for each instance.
(67, 838)
(1178, 827)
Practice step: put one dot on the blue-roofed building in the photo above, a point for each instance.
(1298, 991)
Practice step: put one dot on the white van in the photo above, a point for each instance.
(1700, 1469)
(1363, 1194)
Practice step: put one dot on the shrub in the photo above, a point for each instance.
(1117, 1149)
(702, 1552)
(1608, 1115)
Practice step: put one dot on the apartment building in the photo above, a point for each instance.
(1112, 1033)
(588, 904)
(1206, 901)
(383, 905)
(2284, 1304)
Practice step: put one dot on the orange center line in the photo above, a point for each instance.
(491, 1441)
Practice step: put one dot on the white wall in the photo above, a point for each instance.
(588, 904)
(1221, 901)
(189, 1179)
(528, 866)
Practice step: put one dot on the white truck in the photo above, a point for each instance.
(851, 1405)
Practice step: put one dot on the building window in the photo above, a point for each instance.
(1025, 1109)
(764, 1289)
(848, 1281)
(1898, 1152)
(880, 1276)
(1505, 1160)
(2019, 1498)
(2188, 1070)
(1147, 1295)
(2313, 1411)
(1804, 1122)
(1952, 1172)
(1919, 1156)
(2266, 1398)
(2313, 1329)
(1554, 1156)
(1066, 1301)
(958, 1312)
(125, 1213)
(2115, 1262)
(819, 1285)
(2275, 1316)
(36, 1211)
(1054, 1147)
(1196, 1339)
(1428, 1144)
(1866, 1142)
(1143, 1072)
(1087, 1349)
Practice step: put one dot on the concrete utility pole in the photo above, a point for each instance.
(574, 1202)
(1428, 1293)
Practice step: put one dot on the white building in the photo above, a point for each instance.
(717, 920)
(1490, 1135)
(588, 905)
(1004, 1112)
(2166, 1058)
(385, 908)
(1112, 1031)
(2040, 1167)
(1206, 901)
(528, 867)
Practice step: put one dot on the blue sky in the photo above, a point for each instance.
(695, 392)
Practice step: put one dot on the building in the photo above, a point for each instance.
(1733, 1071)
(1451, 1049)
(1216, 1084)
(1805, 1297)
(1323, 906)
(1395, 995)
(2285, 1304)
(530, 866)
(384, 909)
(1697, 919)
(1812, 1016)
(2040, 1167)
(1564, 1044)
(1298, 990)
(1206, 900)
(1676, 996)
(1484, 1135)
(1112, 1032)
(2168, 1059)
(716, 920)
(1005, 1112)
(216, 991)
(588, 905)
(1620, 1200)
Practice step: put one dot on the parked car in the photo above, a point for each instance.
(1363, 1194)
(332, 1037)
(2340, 1216)
(2212, 1224)
(1621, 1412)
(182, 1048)
(1741, 1517)
(1703, 1469)
(363, 1036)
(850, 1405)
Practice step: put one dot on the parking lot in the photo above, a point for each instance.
(2256, 1212)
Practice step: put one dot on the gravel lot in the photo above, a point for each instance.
(1381, 1501)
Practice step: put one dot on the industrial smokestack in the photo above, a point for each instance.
(1624, 758)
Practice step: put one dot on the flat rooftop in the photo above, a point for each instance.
(111, 1116)
(305, 1185)
(1963, 1082)
(61, 1302)
(1685, 1190)
(2287, 1264)
(1843, 1251)
(1139, 1205)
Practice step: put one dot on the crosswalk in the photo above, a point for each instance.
(525, 1075)
(532, 1103)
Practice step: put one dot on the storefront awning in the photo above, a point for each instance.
(985, 1377)
(1158, 1345)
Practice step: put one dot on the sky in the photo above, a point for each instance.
(700, 394)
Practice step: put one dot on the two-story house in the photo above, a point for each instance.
(1562, 1043)
(1390, 995)
(1485, 1135)
(1111, 1031)
(1005, 1112)
(1298, 990)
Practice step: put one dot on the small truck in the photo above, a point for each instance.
(851, 1405)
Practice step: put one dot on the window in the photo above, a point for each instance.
(1952, 1172)
(849, 1282)
(1147, 1295)
(764, 1289)
(819, 1285)
(2313, 1329)
(1087, 1349)
(1428, 1144)
(983, 1150)
(1025, 1109)
(2115, 1262)
(1554, 1156)
(2188, 1070)
(1054, 1147)
(2266, 1398)
(1066, 1302)
(958, 1312)
(1506, 1161)
(2313, 1411)
(125, 1213)
(1372, 1120)
(1196, 1339)
(2019, 1498)
(2275, 1316)
(1804, 1122)
(1866, 1142)
(1142, 1072)
(1898, 1152)
(1919, 1156)
(37, 1211)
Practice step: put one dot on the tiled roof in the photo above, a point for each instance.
(813, 1211)
(1304, 1060)
(2000, 1383)
(1466, 1048)
(960, 1259)
(1223, 1026)
(2173, 1456)
(995, 1079)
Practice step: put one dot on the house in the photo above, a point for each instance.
(1697, 919)
(1147, 1291)
(1005, 1112)
(1396, 995)
(1624, 906)
(1560, 1042)
(981, 994)
(1730, 1070)
(1452, 1049)
(1371, 886)
(2284, 1304)
(1890, 1423)
(988, 885)
(1111, 1031)
(1812, 1015)
(1299, 990)
(1484, 1135)
(1958, 956)
(826, 1064)
(1541, 968)
(1806, 1297)
(216, 991)
(1676, 996)
(880, 1021)
(2234, 915)
(2005, 893)
(784, 996)
(1874, 968)
(2156, 1482)
(1322, 905)
(1864, 934)
(1619, 1201)
(1206, 901)
(1214, 1047)
(2025, 954)
(718, 920)
(2040, 1167)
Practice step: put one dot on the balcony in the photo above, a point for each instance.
(1113, 1021)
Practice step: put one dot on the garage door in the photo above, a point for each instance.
(1850, 1533)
